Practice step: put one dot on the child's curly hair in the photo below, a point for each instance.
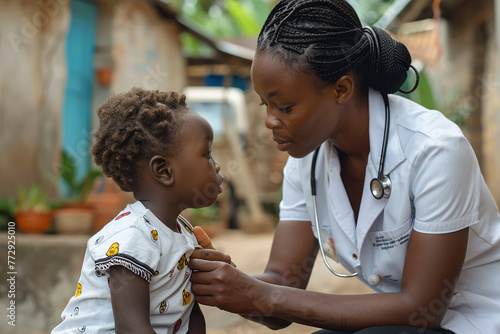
(134, 126)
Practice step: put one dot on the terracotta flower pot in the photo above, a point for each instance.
(73, 220)
(33, 221)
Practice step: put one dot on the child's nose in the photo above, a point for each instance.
(217, 167)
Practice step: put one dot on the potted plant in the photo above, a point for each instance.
(207, 218)
(32, 213)
(7, 209)
(75, 214)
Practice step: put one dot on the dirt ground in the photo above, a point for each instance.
(250, 253)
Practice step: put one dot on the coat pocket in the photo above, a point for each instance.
(389, 251)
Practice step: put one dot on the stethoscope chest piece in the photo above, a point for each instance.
(381, 188)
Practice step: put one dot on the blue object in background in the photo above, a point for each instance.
(215, 80)
(80, 47)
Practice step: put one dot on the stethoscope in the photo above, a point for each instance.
(380, 186)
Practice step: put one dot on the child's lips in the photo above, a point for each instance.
(220, 183)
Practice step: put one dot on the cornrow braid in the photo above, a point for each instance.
(328, 36)
(133, 126)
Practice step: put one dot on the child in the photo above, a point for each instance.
(135, 277)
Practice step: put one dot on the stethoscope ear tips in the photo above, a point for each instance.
(380, 188)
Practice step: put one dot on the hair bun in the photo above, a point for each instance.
(389, 66)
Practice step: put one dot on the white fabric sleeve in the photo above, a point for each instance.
(446, 186)
(131, 248)
(293, 204)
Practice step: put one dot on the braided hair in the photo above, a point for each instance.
(327, 35)
(134, 126)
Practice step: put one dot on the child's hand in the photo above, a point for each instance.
(203, 238)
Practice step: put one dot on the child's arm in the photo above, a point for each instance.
(130, 301)
(196, 321)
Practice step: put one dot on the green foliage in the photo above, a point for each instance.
(454, 105)
(7, 210)
(370, 11)
(32, 199)
(221, 19)
(78, 190)
(204, 216)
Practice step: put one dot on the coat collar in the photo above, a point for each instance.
(370, 207)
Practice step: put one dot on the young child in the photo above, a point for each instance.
(135, 277)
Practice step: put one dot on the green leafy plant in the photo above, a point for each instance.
(32, 199)
(7, 210)
(204, 216)
(78, 190)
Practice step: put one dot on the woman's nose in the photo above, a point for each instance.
(272, 122)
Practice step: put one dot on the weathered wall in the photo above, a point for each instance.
(146, 49)
(32, 81)
(41, 288)
(491, 118)
(467, 76)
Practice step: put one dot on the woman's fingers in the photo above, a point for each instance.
(204, 265)
(203, 238)
(210, 255)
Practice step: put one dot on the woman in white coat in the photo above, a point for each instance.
(430, 248)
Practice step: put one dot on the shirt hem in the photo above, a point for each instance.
(140, 269)
(447, 226)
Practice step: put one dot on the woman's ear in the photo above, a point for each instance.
(161, 170)
(344, 88)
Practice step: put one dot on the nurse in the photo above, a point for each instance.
(431, 249)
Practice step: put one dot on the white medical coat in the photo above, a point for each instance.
(437, 187)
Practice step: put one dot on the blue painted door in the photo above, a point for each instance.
(80, 48)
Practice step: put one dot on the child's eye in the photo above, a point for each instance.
(209, 154)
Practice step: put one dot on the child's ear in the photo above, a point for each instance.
(161, 170)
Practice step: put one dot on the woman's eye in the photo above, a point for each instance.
(209, 154)
(286, 109)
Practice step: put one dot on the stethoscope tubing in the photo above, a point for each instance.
(380, 178)
(316, 221)
(322, 251)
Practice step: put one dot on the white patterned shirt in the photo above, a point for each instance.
(139, 241)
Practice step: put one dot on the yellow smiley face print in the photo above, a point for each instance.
(186, 298)
(113, 249)
(154, 235)
(78, 290)
(182, 262)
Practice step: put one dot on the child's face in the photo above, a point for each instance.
(197, 177)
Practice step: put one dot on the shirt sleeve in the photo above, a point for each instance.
(131, 248)
(446, 186)
(293, 204)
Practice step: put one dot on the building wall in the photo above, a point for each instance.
(32, 83)
(146, 50)
(142, 48)
(466, 76)
(491, 119)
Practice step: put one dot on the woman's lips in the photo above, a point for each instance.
(282, 144)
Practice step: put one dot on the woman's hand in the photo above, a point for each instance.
(202, 237)
(217, 283)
